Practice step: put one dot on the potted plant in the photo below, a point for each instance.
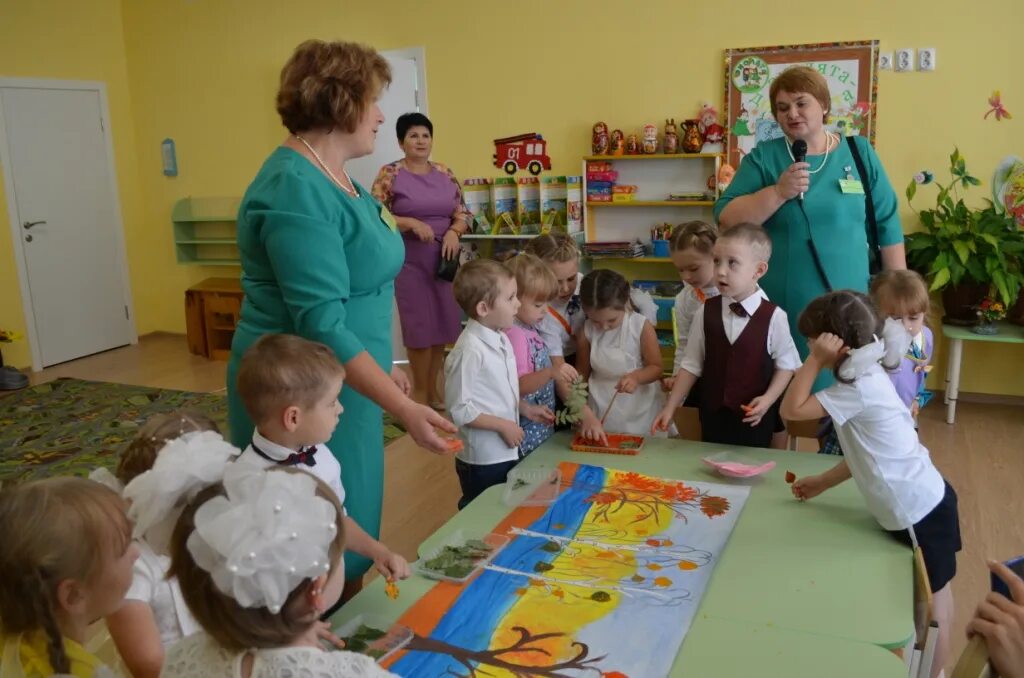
(965, 252)
(988, 312)
(10, 378)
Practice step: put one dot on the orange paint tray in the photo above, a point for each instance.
(618, 443)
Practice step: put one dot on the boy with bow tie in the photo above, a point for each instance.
(290, 387)
(740, 347)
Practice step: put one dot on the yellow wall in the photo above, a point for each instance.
(204, 73)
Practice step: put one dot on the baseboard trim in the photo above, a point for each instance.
(983, 398)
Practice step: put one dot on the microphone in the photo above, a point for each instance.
(799, 155)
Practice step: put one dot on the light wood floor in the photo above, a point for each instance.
(982, 456)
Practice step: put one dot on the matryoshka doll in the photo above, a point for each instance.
(632, 145)
(618, 145)
(650, 146)
(599, 140)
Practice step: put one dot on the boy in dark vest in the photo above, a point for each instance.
(740, 347)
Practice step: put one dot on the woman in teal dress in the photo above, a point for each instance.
(319, 258)
(766, 190)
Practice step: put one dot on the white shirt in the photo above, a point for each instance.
(558, 340)
(687, 303)
(326, 468)
(201, 657)
(780, 342)
(480, 377)
(891, 467)
(151, 586)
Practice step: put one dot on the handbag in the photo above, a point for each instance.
(874, 251)
(447, 268)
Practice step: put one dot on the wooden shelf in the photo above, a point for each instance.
(655, 203)
(506, 236)
(639, 260)
(207, 241)
(205, 209)
(653, 156)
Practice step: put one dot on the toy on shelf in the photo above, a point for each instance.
(623, 193)
(523, 151)
(670, 141)
(712, 133)
(725, 175)
(599, 139)
(650, 146)
(600, 180)
(618, 146)
(632, 145)
(692, 141)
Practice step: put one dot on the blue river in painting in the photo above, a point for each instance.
(486, 600)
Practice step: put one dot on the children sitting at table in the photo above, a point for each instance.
(893, 470)
(739, 347)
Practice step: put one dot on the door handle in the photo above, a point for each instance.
(29, 224)
(28, 238)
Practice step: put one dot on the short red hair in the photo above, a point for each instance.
(801, 80)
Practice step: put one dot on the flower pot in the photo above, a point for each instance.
(959, 302)
(985, 329)
(1016, 313)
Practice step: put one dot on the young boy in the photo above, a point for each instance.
(481, 383)
(290, 386)
(740, 347)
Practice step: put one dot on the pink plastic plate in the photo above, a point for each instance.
(735, 469)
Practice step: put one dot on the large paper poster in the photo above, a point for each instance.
(849, 69)
(604, 582)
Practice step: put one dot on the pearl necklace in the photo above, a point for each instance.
(828, 149)
(351, 191)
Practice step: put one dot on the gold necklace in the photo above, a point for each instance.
(351, 191)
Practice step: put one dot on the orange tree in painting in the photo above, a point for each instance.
(650, 496)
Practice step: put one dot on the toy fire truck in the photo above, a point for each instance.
(525, 151)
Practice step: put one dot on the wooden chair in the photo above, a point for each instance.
(974, 661)
(926, 630)
(801, 429)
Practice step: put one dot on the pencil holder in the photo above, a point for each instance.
(660, 248)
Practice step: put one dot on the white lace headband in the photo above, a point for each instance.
(268, 534)
(888, 350)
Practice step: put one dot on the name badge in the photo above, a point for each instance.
(851, 186)
(388, 218)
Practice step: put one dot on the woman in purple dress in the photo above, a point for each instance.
(426, 199)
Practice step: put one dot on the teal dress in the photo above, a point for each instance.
(320, 263)
(838, 225)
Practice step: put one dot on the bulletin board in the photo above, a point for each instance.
(850, 68)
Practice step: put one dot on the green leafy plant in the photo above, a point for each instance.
(959, 244)
(361, 639)
(458, 561)
(574, 403)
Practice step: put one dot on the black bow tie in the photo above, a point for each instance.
(737, 308)
(305, 455)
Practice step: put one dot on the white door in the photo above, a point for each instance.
(67, 221)
(406, 94)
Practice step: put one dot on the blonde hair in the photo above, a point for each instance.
(235, 627)
(695, 235)
(281, 370)
(755, 236)
(328, 85)
(54, 530)
(158, 430)
(800, 80)
(900, 293)
(478, 281)
(554, 248)
(534, 279)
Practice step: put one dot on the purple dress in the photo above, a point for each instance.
(426, 304)
(908, 379)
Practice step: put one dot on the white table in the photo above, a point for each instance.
(1008, 334)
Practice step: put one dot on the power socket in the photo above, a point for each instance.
(904, 60)
(885, 61)
(926, 59)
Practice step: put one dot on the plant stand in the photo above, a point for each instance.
(10, 378)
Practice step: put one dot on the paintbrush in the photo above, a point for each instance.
(609, 408)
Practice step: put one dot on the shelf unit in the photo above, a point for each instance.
(656, 177)
(204, 231)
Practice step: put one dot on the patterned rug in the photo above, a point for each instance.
(71, 426)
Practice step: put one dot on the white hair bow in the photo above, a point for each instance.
(888, 351)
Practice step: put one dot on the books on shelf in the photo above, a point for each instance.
(618, 249)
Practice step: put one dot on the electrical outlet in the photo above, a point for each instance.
(904, 60)
(885, 61)
(926, 59)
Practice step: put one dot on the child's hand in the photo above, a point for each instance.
(566, 373)
(541, 414)
(512, 433)
(328, 640)
(809, 487)
(663, 421)
(828, 349)
(391, 565)
(591, 429)
(915, 408)
(667, 383)
(627, 384)
(755, 410)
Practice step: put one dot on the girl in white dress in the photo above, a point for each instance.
(618, 353)
(258, 555)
